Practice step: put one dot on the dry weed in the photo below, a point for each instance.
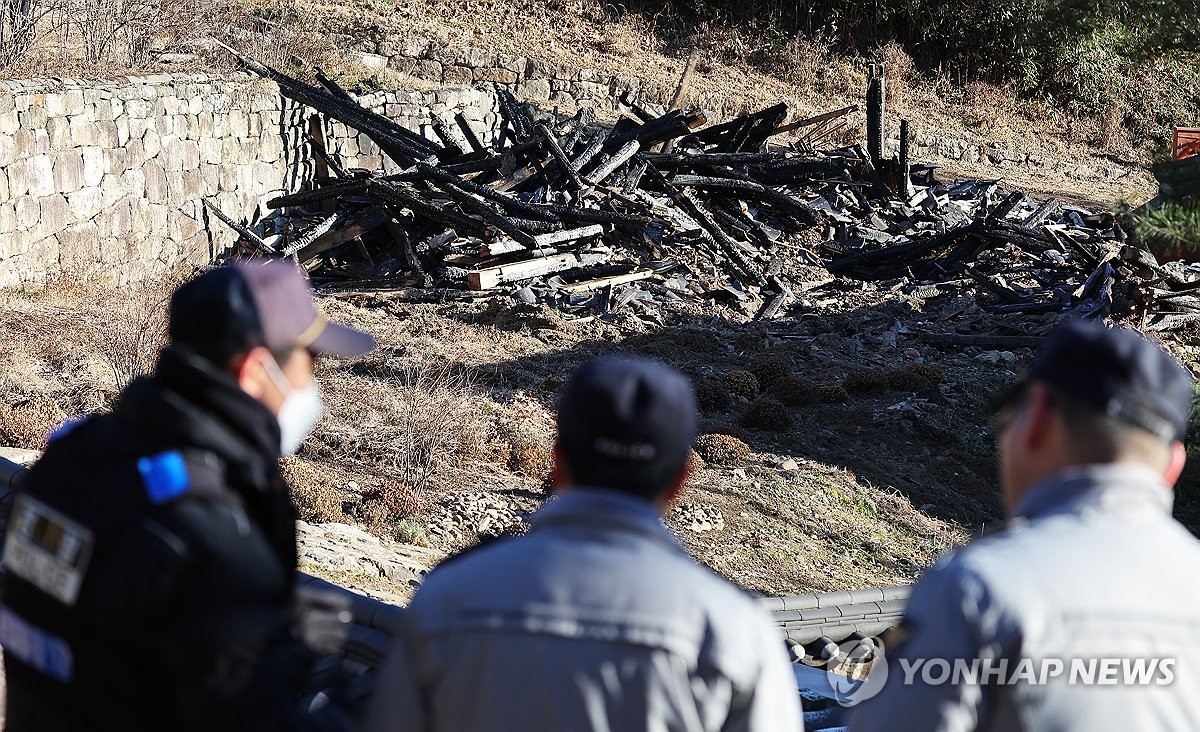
(316, 499)
(412, 423)
(711, 394)
(27, 423)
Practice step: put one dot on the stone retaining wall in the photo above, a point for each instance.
(106, 178)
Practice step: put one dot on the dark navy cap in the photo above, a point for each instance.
(1120, 373)
(633, 415)
(231, 309)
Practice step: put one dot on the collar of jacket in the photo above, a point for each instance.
(1075, 488)
(604, 507)
(189, 402)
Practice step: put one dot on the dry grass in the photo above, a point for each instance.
(409, 421)
(316, 499)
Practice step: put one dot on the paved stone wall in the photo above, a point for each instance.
(106, 179)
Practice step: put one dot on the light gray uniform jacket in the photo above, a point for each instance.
(1093, 568)
(595, 620)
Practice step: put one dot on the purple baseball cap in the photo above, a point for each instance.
(231, 309)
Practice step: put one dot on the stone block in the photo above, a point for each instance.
(415, 47)
(151, 144)
(501, 76)
(84, 132)
(10, 122)
(3, 185)
(458, 75)
(239, 125)
(139, 109)
(8, 219)
(516, 64)
(8, 150)
(102, 161)
(536, 89)
(55, 214)
(39, 174)
(52, 106)
(28, 212)
(41, 142)
(117, 220)
(138, 127)
(112, 189)
(68, 171)
(33, 118)
(84, 204)
(474, 58)
(210, 150)
(96, 162)
(427, 69)
(156, 183)
(80, 240)
(72, 102)
(164, 124)
(195, 105)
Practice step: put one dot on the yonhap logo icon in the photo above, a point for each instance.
(858, 671)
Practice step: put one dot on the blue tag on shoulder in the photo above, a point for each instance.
(165, 476)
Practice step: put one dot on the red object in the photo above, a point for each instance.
(1187, 142)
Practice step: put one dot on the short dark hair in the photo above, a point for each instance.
(650, 481)
(1095, 436)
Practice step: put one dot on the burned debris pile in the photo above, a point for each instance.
(663, 207)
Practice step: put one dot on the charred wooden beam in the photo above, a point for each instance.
(241, 230)
(323, 193)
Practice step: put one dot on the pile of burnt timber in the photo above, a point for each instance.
(660, 208)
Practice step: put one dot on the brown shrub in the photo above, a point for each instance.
(382, 509)
(768, 414)
(830, 392)
(863, 381)
(769, 368)
(529, 453)
(915, 377)
(316, 499)
(27, 423)
(695, 463)
(795, 391)
(711, 394)
(720, 449)
(742, 383)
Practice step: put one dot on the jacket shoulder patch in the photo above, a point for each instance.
(164, 476)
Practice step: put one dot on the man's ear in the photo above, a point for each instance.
(1039, 418)
(560, 475)
(1175, 465)
(247, 369)
(678, 485)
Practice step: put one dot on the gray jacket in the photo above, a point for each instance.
(595, 620)
(1093, 568)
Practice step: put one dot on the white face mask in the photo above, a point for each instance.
(299, 412)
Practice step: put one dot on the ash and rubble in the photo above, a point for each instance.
(664, 211)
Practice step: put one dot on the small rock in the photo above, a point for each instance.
(989, 357)
(911, 353)
(789, 465)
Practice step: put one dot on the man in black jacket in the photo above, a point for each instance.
(151, 552)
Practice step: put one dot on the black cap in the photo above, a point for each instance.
(1120, 373)
(231, 309)
(627, 423)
